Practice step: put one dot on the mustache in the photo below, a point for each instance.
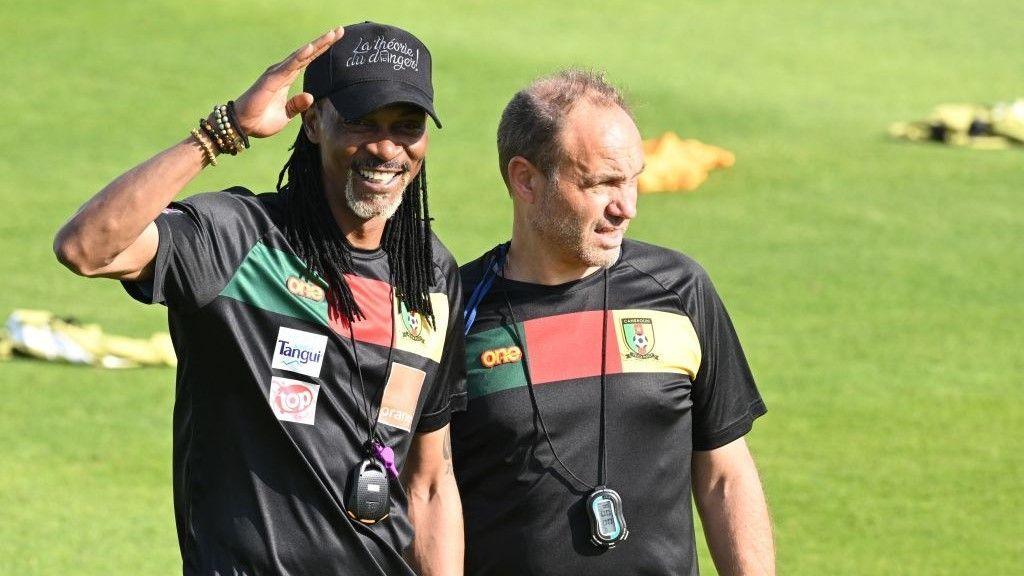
(616, 223)
(388, 165)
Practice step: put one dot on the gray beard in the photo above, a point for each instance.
(563, 231)
(372, 207)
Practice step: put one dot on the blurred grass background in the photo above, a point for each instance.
(875, 284)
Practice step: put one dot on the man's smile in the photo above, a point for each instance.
(378, 176)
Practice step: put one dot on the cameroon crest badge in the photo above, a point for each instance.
(413, 322)
(638, 333)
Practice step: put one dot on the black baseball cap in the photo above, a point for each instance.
(372, 66)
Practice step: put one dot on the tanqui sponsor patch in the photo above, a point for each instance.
(298, 351)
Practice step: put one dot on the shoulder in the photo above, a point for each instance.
(472, 272)
(233, 209)
(679, 275)
(443, 258)
(672, 270)
(227, 204)
(446, 271)
(226, 201)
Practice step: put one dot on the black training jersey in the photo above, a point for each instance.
(676, 381)
(269, 416)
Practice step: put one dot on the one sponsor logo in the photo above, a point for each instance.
(498, 356)
(292, 400)
(638, 334)
(413, 322)
(304, 289)
(298, 351)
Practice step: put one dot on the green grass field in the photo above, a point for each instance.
(875, 284)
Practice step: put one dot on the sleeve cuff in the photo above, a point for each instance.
(459, 402)
(140, 290)
(151, 291)
(435, 420)
(734, 431)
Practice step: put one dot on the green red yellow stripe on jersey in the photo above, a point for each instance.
(296, 295)
(568, 346)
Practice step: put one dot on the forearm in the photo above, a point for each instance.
(436, 514)
(111, 223)
(115, 217)
(734, 513)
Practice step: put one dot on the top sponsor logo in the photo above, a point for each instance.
(299, 351)
(292, 400)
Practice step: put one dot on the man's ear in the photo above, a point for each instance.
(525, 181)
(311, 123)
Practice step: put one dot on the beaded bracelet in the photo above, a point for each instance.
(211, 132)
(234, 121)
(207, 147)
(221, 135)
(226, 130)
(222, 130)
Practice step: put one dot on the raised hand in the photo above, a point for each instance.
(264, 109)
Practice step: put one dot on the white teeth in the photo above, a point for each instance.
(377, 176)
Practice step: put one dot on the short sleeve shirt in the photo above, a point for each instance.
(269, 416)
(676, 381)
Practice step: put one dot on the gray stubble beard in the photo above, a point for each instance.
(566, 233)
(374, 206)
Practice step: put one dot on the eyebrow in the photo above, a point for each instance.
(610, 176)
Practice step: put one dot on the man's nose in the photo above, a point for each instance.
(623, 205)
(383, 147)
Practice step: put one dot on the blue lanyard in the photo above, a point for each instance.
(494, 266)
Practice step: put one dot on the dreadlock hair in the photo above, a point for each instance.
(321, 245)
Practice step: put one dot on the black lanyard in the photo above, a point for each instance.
(368, 493)
(602, 437)
(603, 505)
(371, 423)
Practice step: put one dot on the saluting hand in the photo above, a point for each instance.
(264, 109)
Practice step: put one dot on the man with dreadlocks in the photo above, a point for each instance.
(318, 329)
